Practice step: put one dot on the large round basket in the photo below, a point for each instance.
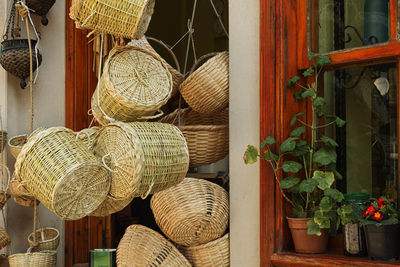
(16, 143)
(206, 90)
(34, 259)
(141, 246)
(88, 136)
(214, 253)
(47, 239)
(111, 205)
(144, 157)
(125, 18)
(21, 195)
(62, 173)
(4, 238)
(3, 140)
(207, 135)
(192, 213)
(134, 85)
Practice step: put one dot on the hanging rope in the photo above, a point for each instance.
(219, 18)
(190, 26)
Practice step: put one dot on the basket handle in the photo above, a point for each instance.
(105, 164)
(168, 48)
(160, 113)
(148, 191)
(8, 171)
(201, 60)
(78, 134)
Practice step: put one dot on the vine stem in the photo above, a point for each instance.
(279, 183)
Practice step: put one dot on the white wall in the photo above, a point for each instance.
(244, 129)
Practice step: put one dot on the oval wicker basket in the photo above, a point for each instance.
(47, 239)
(125, 18)
(207, 135)
(21, 195)
(88, 136)
(4, 238)
(214, 253)
(33, 259)
(192, 213)
(3, 140)
(62, 173)
(206, 90)
(134, 85)
(144, 157)
(111, 205)
(16, 143)
(141, 246)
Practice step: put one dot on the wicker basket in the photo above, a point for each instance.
(206, 90)
(34, 259)
(21, 195)
(88, 136)
(16, 143)
(134, 85)
(47, 239)
(111, 205)
(192, 213)
(4, 196)
(40, 7)
(125, 18)
(4, 238)
(207, 135)
(144, 157)
(142, 246)
(212, 254)
(177, 76)
(3, 140)
(62, 173)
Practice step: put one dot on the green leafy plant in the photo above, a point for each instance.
(312, 159)
(349, 214)
(380, 212)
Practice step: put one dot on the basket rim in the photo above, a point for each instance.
(209, 244)
(43, 252)
(15, 137)
(48, 240)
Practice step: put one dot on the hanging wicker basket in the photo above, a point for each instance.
(4, 238)
(47, 239)
(88, 136)
(21, 195)
(3, 140)
(192, 213)
(134, 85)
(207, 135)
(41, 8)
(111, 205)
(206, 90)
(125, 18)
(62, 173)
(141, 246)
(14, 57)
(214, 253)
(34, 259)
(16, 143)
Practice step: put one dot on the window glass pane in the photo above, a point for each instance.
(366, 98)
(349, 23)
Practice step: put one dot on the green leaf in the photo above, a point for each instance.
(298, 131)
(313, 228)
(340, 122)
(289, 182)
(293, 81)
(268, 141)
(291, 166)
(299, 212)
(308, 72)
(297, 94)
(322, 60)
(335, 194)
(251, 155)
(269, 155)
(300, 149)
(328, 140)
(337, 174)
(311, 55)
(308, 185)
(288, 145)
(325, 156)
(307, 93)
(324, 179)
(318, 102)
(389, 221)
(294, 119)
(321, 220)
(325, 205)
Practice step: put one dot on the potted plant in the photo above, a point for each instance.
(313, 198)
(382, 232)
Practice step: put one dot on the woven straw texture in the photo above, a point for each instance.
(212, 254)
(35, 259)
(16, 143)
(125, 18)
(21, 195)
(192, 213)
(134, 85)
(88, 136)
(145, 157)
(4, 196)
(47, 239)
(40, 7)
(206, 90)
(111, 205)
(62, 173)
(3, 140)
(177, 76)
(141, 246)
(207, 135)
(4, 238)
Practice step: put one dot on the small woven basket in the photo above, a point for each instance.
(214, 253)
(33, 259)
(125, 18)
(62, 173)
(207, 135)
(141, 246)
(21, 195)
(206, 90)
(88, 136)
(192, 213)
(16, 143)
(4, 238)
(134, 85)
(3, 140)
(47, 239)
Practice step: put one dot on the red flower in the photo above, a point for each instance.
(381, 203)
(378, 216)
(369, 211)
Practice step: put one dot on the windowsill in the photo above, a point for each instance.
(289, 259)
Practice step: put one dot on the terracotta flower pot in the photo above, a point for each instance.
(304, 243)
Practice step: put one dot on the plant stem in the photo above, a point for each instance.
(326, 125)
(305, 124)
(279, 183)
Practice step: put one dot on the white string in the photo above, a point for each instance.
(190, 35)
(219, 18)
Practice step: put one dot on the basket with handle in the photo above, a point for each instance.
(193, 212)
(142, 246)
(111, 205)
(214, 253)
(134, 85)
(125, 18)
(21, 195)
(33, 259)
(16, 143)
(47, 238)
(206, 90)
(4, 238)
(62, 173)
(3, 140)
(88, 136)
(207, 135)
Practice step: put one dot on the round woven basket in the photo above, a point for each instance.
(88, 136)
(16, 143)
(4, 238)
(111, 205)
(47, 239)
(62, 173)
(134, 85)
(21, 195)
(192, 213)
(3, 140)
(141, 246)
(206, 90)
(143, 157)
(214, 253)
(207, 135)
(125, 18)
(33, 259)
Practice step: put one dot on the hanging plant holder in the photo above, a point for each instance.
(41, 8)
